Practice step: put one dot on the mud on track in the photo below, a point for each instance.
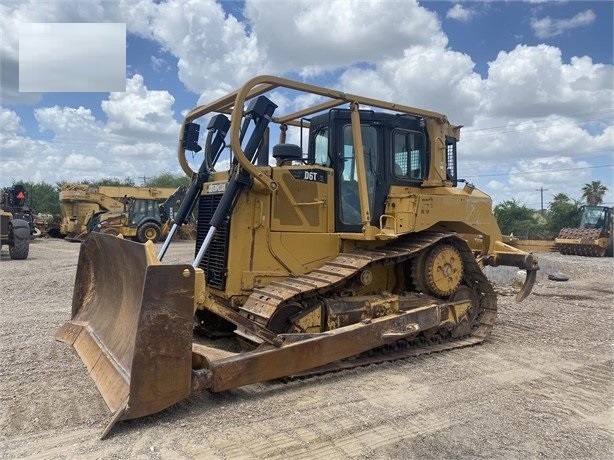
(540, 386)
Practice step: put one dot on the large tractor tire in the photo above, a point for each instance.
(19, 249)
(149, 231)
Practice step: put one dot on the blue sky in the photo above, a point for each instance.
(530, 81)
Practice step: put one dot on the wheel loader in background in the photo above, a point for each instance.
(79, 202)
(352, 252)
(14, 233)
(594, 236)
(141, 219)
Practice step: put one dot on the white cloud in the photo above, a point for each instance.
(515, 140)
(311, 37)
(141, 112)
(459, 13)
(76, 162)
(158, 64)
(9, 121)
(23, 156)
(68, 122)
(431, 78)
(214, 51)
(137, 139)
(548, 27)
(135, 13)
(555, 153)
(523, 180)
(532, 81)
(553, 174)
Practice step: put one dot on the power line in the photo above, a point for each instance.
(575, 156)
(540, 123)
(538, 171)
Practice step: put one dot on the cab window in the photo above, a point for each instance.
(409, 155)
(321, 148)
(350, 203)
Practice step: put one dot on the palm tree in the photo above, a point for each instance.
(560, 198)
(594, 192)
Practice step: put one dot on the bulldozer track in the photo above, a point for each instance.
(263, 303)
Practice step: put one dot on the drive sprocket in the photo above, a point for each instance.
(444, 270)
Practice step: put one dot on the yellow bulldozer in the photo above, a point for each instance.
(357, 247)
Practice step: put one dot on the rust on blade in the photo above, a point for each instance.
(132, 325)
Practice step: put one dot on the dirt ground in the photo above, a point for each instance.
(541, 386)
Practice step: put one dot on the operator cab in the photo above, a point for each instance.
(142, 209)
(396, 152)
(595, 217)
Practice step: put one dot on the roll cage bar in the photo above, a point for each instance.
(233, 104)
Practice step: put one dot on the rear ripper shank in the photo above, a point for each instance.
(363, 243)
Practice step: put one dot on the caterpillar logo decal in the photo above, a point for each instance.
(216, 188)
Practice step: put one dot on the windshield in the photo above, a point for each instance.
(593, 217)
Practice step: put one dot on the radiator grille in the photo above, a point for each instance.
(215, 260)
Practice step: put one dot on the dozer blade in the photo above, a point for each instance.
(132, 325)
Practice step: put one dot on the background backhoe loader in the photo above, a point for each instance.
(141, 219)
(352, 249)
(79, 202)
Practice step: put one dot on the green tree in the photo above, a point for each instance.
(594, 192)
(563, 214)
(168, 179)
(515, 218)
(560, 198)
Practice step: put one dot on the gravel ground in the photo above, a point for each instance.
(541, 385)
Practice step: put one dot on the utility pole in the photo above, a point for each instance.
(542, 190)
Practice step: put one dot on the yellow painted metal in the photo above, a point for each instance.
(78, 202)
(531, 245)
(437, 135)
(600, 242)
(363, 195)
(300, 205)
(381, 279)
(444, 269)
(302, 252)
